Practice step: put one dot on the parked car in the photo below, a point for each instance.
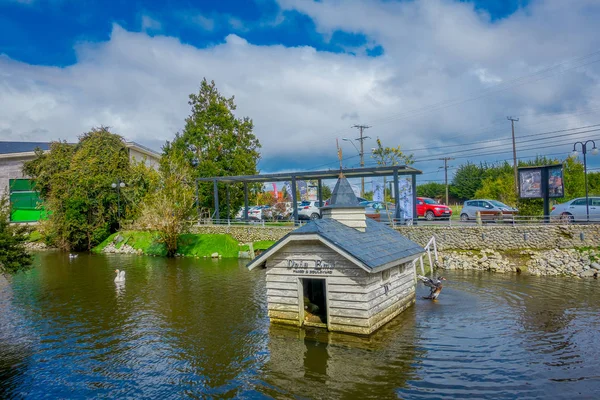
(431, 209)
(575, 210)
(255, 213)
(377, 210)
(309, 210)
(488, 209)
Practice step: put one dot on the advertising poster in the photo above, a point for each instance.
(405, 195)
(530, 182)
(287, 188)
(377, 184)
(555, 182)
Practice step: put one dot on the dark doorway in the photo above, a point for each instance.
(315, 302)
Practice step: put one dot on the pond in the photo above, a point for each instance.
(199, 328)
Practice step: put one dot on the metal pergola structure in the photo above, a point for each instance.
(293, 177)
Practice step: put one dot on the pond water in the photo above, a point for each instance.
(198, 328)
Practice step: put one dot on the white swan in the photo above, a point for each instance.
(71, 256)
(120, 276)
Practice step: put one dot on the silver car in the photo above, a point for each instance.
(575, 210)
(309, 210)
(488, 209)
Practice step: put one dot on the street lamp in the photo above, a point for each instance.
(584, 151)
(361, 152)
(118, 185)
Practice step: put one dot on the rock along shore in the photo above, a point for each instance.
(556, 262)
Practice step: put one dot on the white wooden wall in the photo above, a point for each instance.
(357, 301)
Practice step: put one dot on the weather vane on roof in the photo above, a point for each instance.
(339, 152)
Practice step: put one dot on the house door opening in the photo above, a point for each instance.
(315, 302)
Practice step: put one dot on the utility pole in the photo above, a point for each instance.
(445, 160)
(512, 122)
(362, 138)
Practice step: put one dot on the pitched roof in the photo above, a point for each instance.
(22, 147)
(377, 246)
(343, 196)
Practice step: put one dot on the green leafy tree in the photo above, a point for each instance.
(13, 256)
(594, 183)
(215, 143)
(467, 180)
(168, 207)
(387, 157)
(431, 189)
(390, 156)
(75, 181)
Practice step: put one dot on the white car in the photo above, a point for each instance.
(309, 210)
(575, 210)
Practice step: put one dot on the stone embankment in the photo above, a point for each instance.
(556, 262)
(112, 248)
(36, 246)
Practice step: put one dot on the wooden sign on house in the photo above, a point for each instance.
(344, 272)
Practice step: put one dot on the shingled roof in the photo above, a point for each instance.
(378, 246)
(22, 147)
(343, 196)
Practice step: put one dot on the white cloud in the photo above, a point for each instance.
(300, 99)
(207, 24)
(148, 23)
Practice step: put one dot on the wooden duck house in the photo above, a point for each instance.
(344, 272)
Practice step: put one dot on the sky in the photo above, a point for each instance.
(436, 77)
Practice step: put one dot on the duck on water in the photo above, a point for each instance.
(435, 284)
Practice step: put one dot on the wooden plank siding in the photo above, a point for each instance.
(357, 301)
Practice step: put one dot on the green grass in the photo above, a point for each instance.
(263, 244)
(192, 245)
(146, 241)
(455, 212)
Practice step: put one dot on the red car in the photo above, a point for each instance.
(430, 209)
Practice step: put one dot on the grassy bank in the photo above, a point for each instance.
(190, 245)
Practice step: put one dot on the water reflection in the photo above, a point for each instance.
(308, 363)
(198, 328)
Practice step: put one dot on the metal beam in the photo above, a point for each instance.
(414, 199)
(246, 201)
(216, 196)
(294, 200)
(397, 215)
(310, 175)
(320, 192)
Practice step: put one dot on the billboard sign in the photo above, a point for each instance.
(537, 182)
(530, 183)
(556, 187)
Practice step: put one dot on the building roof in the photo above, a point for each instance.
(377, 248)
(29, 147)
(343, 196)
(22, 147)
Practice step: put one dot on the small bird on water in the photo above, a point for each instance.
(435, 284)
(120, 276)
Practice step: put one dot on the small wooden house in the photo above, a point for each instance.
(344, 272)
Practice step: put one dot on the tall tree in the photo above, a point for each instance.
(431, 189)
(467, 180)
(390, 156)
(215, 143)
(75, 184)
(168, 206)
(13, 256)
